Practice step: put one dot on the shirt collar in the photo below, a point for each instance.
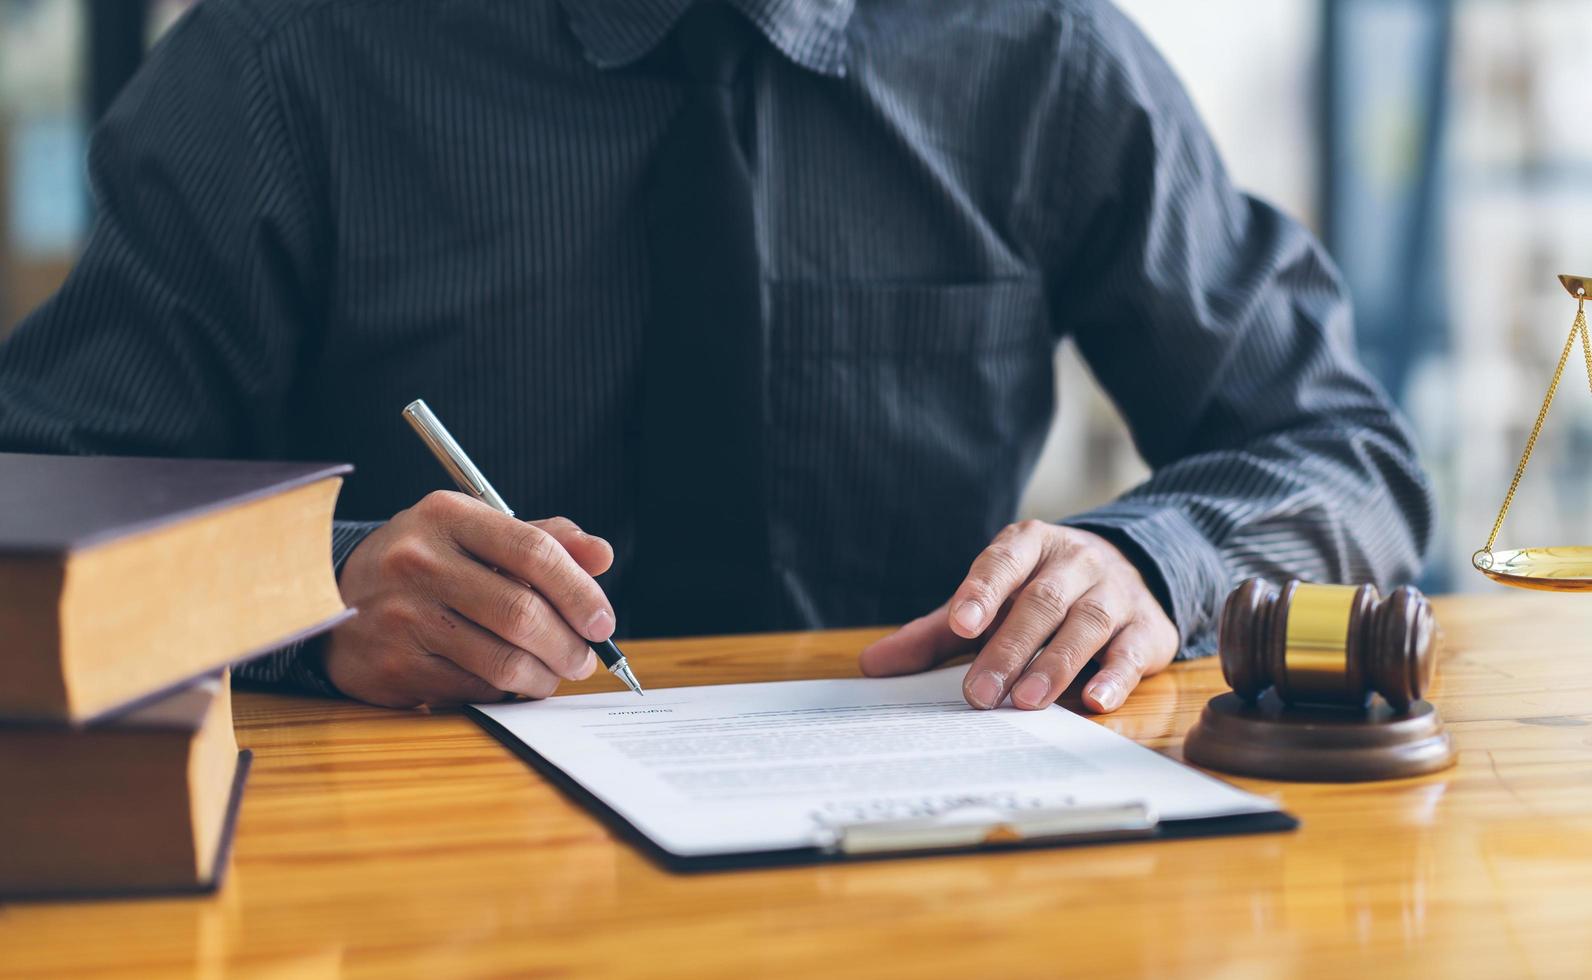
(812, 33)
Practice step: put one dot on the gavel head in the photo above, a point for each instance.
(1327, 644)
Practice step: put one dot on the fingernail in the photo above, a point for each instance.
(985, 691)
(1030, 691)
(1107, 694)
(589, 667)
(970, 615)
(601, 625)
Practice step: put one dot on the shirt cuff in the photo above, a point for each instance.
(298, 666)
(1179, 564)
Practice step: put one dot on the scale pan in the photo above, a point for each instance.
(1566, 569)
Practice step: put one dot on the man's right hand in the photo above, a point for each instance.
(459, 603)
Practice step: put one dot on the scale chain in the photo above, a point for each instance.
(1483, 558)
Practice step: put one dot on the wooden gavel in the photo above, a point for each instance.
(1327, 644)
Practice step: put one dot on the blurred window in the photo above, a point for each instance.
(43, 206)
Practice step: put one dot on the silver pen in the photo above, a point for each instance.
(473, 482)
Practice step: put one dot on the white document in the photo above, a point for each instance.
(759, 767)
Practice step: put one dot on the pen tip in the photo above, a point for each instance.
(621, 670)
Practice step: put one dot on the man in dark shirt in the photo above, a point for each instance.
(766, 294)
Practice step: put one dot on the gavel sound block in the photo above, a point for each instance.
(1306, 663)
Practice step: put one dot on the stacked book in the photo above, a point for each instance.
(127, 587)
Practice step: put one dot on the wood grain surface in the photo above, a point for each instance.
(377, 842)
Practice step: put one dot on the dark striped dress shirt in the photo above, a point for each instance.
(310, 212)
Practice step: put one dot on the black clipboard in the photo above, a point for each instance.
(1120, 826)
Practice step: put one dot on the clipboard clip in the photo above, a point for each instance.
(963, 828)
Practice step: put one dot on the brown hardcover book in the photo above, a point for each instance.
(144, 803)
(122, 577)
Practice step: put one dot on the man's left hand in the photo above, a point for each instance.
(1038, 604)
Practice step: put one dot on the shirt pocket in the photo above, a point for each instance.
(904, 420)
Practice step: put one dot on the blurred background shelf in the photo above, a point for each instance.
(1440, 147)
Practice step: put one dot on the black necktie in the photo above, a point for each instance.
(702, 551)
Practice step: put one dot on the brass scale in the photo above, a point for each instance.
(1553, 569)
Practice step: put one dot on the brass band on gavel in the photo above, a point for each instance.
(1327, 644)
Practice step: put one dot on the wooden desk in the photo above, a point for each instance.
(385, 842)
